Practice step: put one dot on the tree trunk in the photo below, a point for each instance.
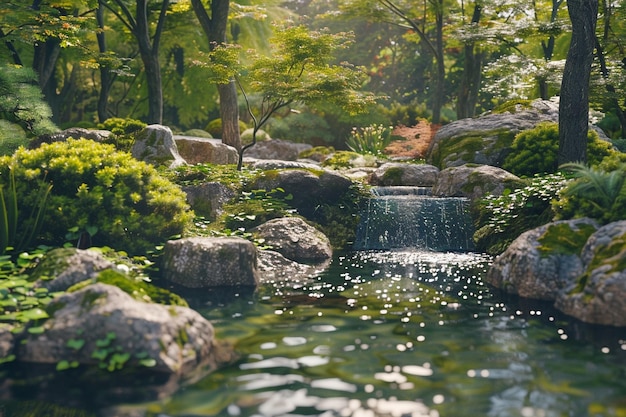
(574, 102)
(470, 81)
(214, 28)
(149, 51)
(106, 78)
(440, 74)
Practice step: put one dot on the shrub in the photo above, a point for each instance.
(122, 202)
(595, 192)
(534, 151)
(501, 219)
(123, 131)
(214, 127)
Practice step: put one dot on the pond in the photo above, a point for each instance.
(391, 333)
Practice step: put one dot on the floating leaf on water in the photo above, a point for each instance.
(148, 362)
(32, 314)
(36, 330)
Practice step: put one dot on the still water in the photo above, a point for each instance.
(399, 334)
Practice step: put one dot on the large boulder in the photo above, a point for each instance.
(204, 262)
(599, 293)
(398, 173)
(155, 145)
(309, 188)
(195, 150)
(474, 182)
(487, 139)
(276, 149)
(296, 240)
(534, 267)
(207, 199)
(102, 325)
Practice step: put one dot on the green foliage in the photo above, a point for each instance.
(12, 136)
(304, 127)
(370, 140)
(201, 173)
(501, 219)
(21, 304)
(21, 101)
(594, 193)
(340, 159)
(199, 133)
(123, 131)
(257, 207)
(130, 205)
(534, 151)
(9, 216)
(214, 127)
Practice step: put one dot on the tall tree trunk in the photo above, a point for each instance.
(149, 51)
(440, 74)
(214, 28)
(44, 63)
(106, 78)
(470, 81)
(574, 102)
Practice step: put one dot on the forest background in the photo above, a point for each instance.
(441, 60)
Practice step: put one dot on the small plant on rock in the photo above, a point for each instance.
(369, 140)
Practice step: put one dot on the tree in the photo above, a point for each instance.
(139, 24)
(47, 27)
(574, 101)
(214, 27)
(298, 70)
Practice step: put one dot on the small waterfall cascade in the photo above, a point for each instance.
(409, 217)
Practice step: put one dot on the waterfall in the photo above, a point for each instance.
(408, 217)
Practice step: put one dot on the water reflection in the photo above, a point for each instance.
(401, 334)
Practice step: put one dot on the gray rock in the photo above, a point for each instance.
(274, 268)
(296, 240)
(63, 267)
(487, 139)
(522, 269)
(208, 199)
(204, 262)
(72, 132)
(276, 149)
(112, 326)
(7, 341)
(474, 182)
(398, 173)
(599, 295)
(195, 150)
(309, 188)
(155, 144)
(267, 164)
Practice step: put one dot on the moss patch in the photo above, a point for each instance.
(563, 240)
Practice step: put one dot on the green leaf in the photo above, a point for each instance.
(75, 344)
(149, 362)
(100, 354)
(63, 365)
(36, 330)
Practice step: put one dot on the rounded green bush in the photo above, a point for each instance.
(214, 127)
(535, 151)
(122, 202)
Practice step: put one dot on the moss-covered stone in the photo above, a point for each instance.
(561, 239)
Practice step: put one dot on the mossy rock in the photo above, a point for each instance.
(489, 148)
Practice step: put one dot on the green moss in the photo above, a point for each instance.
(467, 146)
(513, 106)
(341, 159)
(561, 239)
(54, 261)
(90, 298)
(139, 290)
(393, 176)
(318, 152)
